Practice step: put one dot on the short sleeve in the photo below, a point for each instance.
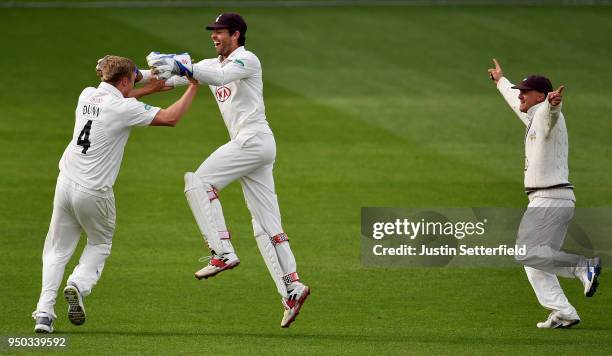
(87, 92)
(137, 113)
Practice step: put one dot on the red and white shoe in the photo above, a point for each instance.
(296, 298)
(217, 264)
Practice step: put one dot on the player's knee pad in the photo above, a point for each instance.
(283, 253)
(204, 202)
(190, 181)
(268, 252)
(193, 182)
(275, 240)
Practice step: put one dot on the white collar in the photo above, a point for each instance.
(534, 108)
(233, 54)
(111, 89)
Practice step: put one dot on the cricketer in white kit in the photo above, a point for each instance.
(551, 198)
(84, 199)
(235, 79)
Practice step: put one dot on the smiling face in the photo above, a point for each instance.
(224, 43)
(529, 98)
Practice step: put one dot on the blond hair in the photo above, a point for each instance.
(111, 69)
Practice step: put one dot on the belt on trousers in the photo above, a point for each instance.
(529, 190)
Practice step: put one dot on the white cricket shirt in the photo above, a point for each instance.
(237, 85)
(546, 145)
(104, 119)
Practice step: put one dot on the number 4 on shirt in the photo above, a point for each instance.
(83, 139)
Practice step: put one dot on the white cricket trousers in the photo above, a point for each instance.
(76, 209)
(542, 231)
(249, 158)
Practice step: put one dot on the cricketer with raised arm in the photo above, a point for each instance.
(551, 198)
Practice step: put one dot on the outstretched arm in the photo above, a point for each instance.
(554, 105)
(505, 88)
(237, 69)
(167, 65)
(173, 114)
(153, 86)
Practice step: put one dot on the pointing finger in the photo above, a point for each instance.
(560, 90)
(497, 66)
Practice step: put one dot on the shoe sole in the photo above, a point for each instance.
(76, 313)
(595, 283)
(559, 325)
(43, 329)
(298, 307)
(228, 267)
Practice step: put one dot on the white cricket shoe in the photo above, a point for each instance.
(555, 321)
(588, 275)
(217, 264)
(76, 308)
(295, 299)
(44, 323)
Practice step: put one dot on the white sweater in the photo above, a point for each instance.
(546, 146)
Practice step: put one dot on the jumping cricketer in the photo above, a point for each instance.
(84, 199)
(235, 79)
(551, 197)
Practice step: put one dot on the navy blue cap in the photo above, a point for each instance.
(535, 82)
(230, 21)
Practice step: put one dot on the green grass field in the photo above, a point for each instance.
(387, 106)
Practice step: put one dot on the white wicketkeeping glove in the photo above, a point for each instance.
(166, 65)
(154, 56)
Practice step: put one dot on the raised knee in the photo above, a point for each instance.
(211, 192)
(190, 181)
(527, 259)
(520, 259)
(193, 182)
